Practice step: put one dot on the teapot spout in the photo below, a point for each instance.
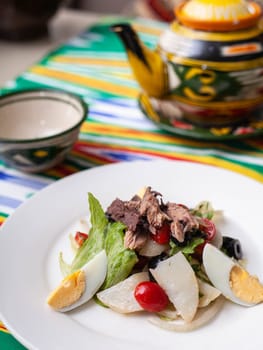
(148, 67)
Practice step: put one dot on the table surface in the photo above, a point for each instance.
(15, 57)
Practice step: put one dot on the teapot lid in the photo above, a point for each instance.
(218, 15)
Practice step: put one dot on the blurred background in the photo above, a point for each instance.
(29, 28)
(28, 19)
(101, 6)
(157, 9)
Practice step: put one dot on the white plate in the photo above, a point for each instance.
(32, 237)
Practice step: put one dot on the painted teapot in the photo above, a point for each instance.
(207, 67)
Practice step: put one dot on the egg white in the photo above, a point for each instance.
(95, 272)
(218, 267)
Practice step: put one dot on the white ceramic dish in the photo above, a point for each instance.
(32, 237)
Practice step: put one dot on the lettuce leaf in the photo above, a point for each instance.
(120, 259)
(204, 209)
(103, 235)
(95, 243)
(64, 267)
(188, 249)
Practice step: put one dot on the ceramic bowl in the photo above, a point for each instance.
(39, 127)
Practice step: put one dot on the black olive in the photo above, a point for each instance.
(109, 217)
(154, 261)
(232, 247)
(141, 263)
(187, 238)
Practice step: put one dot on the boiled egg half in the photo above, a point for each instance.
(234, 282)
(80, 286)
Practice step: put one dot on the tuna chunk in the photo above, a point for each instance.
(144, 216)
(126, 212)
(182, 221)
(135, 240)
(150, 207)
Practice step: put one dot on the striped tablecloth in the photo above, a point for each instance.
(94, 66)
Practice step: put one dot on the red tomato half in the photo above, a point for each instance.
(162, 235)
(80, 238)
(151, 296)
(208, 227)
(198, 252)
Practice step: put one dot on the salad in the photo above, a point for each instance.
(163, 258)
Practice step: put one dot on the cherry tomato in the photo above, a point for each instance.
(198, 252)
(151, 296)
(80, 238)
(162, 235)
(209, 229)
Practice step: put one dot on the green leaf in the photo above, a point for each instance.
(120, 259)
(204, 209)
(64, 267)
(95, 243)
(199, 271)
(188, 249)
(108, 236)
(120, 267)
(114, 241)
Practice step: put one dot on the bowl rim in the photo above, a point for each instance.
(75, 97)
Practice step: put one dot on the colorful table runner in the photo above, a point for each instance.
(93, 65)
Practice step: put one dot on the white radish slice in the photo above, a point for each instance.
(202, 317)
(120, 297)
(176, 276)
(208, 293)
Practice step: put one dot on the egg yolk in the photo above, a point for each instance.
(246, 287)
(69, 291)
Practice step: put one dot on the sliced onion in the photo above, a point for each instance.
(208, 293)
(170, 313)
(202, 317)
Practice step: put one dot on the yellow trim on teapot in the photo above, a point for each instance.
(218, 15)
(249, 33)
